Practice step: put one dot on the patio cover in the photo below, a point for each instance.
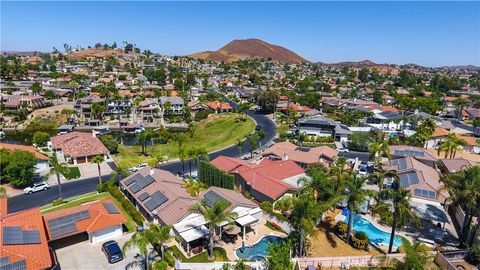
(194, 233)
(429, 210)
(246, 220)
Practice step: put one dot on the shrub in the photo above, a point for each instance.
(160, 265)
(110, 142)
(267, 207)
(58, 202)
(475, 254)
(126, 204)
(41, 138)
(169, 259)
(341, 228)
(360, 240)
(421, 248)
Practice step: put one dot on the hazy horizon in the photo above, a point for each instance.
(425, 33)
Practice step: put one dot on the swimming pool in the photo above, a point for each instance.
(259, 249)
(375, 235)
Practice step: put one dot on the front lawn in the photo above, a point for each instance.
(219, 253)
(90, 197)
(72, 173)
(214, 133)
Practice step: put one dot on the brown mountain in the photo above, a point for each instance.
(360, 64)
(250, 48)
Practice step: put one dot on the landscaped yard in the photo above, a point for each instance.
(214, 133)
(90, 197)
(72, 173)
(219, 253)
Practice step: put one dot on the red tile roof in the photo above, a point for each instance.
(99, 219)
(30, 149)
(37, 256)
(289, 150)
(79, 144)
(218, 105)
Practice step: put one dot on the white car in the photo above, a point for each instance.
(39, 186)
(342, 150)
(138, 167)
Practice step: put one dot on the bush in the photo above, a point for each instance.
(126, 204)
(110, 142)
(421, 248)
(267, 207)
(202, 115)
(160, 265)
(169, 259)
(58, 202)
(360, 240)
(41, 138)
(341, 228)
(475, 254)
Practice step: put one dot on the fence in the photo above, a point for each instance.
(211, 266)
(286, 227)
(348, 261)
(444, 260)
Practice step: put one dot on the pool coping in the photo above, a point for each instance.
(265, 235)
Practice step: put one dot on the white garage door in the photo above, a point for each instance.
(106, 234)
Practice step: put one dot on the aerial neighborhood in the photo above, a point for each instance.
(114, 157)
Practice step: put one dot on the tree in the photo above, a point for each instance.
(380, 148)
(141, 240)
(278, 257)
(363, 75)
(459, 104)
(193, 187)
(266, 100)
(451, 145)
(59, 169)
(157, 236)
(98, 159)
(416, 257)
(252, 139)
(41, 138)
(215, 215)
(240, 144)
(17, 167)
(97, 110)
(36, 88)
(110, 142)
(355, 196)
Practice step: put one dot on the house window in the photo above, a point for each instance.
(425, 193)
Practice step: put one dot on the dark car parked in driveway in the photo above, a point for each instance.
(112, 251)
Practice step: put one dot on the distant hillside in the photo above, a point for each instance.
(250, 48)
(360, 64)
(32, 53)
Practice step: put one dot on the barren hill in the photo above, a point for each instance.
(250, 48)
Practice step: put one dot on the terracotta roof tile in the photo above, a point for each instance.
(30, 149)
(79, 144)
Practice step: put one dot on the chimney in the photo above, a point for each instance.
(152, 171)
(285, 157)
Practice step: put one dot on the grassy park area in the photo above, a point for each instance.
(216, 132)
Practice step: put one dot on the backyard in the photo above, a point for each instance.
(214, 133)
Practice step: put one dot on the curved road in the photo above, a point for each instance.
(22, 202)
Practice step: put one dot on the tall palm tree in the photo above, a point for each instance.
(338, 171)
(57, 169)
(399, 200)
(191, 155)
(416, 258)
(215, 215)
(355, 196)
(157, 236)
(252, 139)
(200, 152)
(459, 105)
(240, 144)
(303, 220)
(193, 187)
(141, 240)
(260, 135)
(183, 155)
(380, 148)
(98, 159)
(451, 145)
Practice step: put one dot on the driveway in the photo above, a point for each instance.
(85, 256)
(88, 170)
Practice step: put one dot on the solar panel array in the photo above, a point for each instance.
(144, 196)
(211, 198)
(111, 208)
(408, 179)
(409, 153)
(17, 236)
(138, 182)
(158, 198)
(66, 224)
(5, 264)
(400, 163)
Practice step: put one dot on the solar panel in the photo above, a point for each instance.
(211, 198)
(408, 179)
(399, 152)
(63, 230)
(145, 181)
(135, 188)
(134, 178)
(144, 196)
(4, 260)
(17, 236)
(158, 198)
(111, 208)
(18, 265)
(31, 237)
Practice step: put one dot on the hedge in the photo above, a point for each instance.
(212, 176)
(126, 204)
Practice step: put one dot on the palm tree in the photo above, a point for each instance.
(416, 258)
(451, 145)
(260, 135)
(74, 85)
(141, 240)
(400, 201)
(157, 236)
(215, 215)
(200, 152)
(183, 155)
(253, 143)
(303, 219)
(193, 187)
(380, 176)
(355, 196)
(240, 144)
(338, 171)
(380, 148)
(98, 159)
(57, 169)
(460, 105)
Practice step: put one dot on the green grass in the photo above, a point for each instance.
(90, 197)
(216, 132)
(219, 253)
(72, 173)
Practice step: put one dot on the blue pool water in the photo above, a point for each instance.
(375, 235)
(258, 250)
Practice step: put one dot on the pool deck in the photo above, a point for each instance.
(250, 239)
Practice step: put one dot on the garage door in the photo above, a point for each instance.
(106, 234)
(81, 160)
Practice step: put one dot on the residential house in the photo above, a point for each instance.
(471, 145)
(302, 156)
(83, 105)
(42, 159)
(78, 147)
(176, 105)
(437, 136)
(421, 154)
(219, 106)
(148, 109)
(268, 180)
(15, 102)
(455, 165)
(319, 125)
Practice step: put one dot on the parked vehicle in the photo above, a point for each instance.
(112, 251)
(258, 128)
(138, 167)
(101, 130)
(39, 186)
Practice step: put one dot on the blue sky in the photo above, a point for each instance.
(427, 33)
